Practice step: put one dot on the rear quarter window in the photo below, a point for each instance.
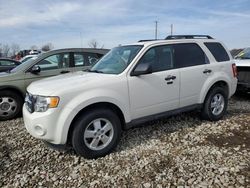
(218, 51)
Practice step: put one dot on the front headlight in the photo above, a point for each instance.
(42, 104)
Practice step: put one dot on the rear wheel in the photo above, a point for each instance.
(96, 133)
(10, 105)
(215, 104)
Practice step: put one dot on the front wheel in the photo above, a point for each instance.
(215, 104)
(10, 105)
(96, 133)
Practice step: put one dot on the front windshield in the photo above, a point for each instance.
(117, 60)
(245, 54)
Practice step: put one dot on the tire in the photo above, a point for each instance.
(215, 104)
(90, 143)
(10, 105)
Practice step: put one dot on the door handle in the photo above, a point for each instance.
(170, 77)
(63, 72)
(207, 71)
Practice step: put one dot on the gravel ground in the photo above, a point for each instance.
(181, 151)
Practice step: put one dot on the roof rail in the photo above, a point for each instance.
(147, 40)
(188, 37)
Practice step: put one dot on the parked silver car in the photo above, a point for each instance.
(242, 61)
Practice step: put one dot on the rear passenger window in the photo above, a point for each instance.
(79, 59)
(188, 54)
(218, 51)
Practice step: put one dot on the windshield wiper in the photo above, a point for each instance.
(96, 71)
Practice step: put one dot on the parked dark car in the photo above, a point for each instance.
(7, 64)
(242, 61)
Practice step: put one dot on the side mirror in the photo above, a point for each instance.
(142, 68)
(35, 69)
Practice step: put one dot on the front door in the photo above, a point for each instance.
(156, 92)
(51, 66)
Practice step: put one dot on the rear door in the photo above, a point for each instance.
(50, 66)
(192, 63)
(84, 60)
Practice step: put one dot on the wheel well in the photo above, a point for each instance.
(219, 84)
(14, 90)
(107, 105)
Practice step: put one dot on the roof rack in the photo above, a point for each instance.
(188, 37)
(171, 37)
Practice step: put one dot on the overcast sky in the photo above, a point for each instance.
(114, 22)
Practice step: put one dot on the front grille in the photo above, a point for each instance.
(29, 102)
(244, 74)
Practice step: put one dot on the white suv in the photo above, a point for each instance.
(129, 86)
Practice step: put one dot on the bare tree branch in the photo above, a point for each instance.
(47, 47)
(15, 48)
(6, 50)
(94, 44)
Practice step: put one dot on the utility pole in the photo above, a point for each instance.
(171, 32)
(156, 22)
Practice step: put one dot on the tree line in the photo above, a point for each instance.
(11, 50)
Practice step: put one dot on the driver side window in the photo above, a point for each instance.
(57, 61)
(160, 58)
(149, 57)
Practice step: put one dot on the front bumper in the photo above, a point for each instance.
(44, 125)
(243, 78)
(243, 86)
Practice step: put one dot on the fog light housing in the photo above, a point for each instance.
(39, 130)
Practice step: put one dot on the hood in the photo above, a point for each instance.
(4, 74)
(67, 82)
(6, 77)
(242, 62)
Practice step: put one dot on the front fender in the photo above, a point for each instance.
(19, 90)
(85, 99)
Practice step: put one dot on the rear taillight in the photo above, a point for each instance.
(234, 69)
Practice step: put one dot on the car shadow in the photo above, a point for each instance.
(158, 129)
(162, 128)
(242, 96)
